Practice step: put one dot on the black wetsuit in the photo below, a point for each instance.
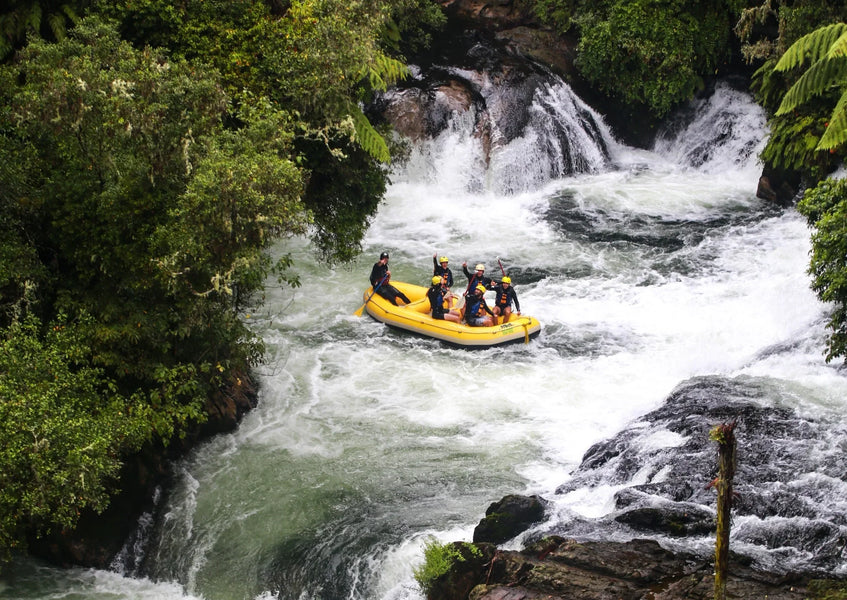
(379, 274)
(505, 297)
(474, 281)
(475, 307)
(435, 294)
(444, 272)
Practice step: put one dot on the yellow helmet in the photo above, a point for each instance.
(480, 267)
(506, 279)
(443, 259)
(436, 279)
(481, 288)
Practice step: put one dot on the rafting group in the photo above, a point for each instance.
(471, 308)
(435, 311)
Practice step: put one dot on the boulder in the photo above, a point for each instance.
(507, 518)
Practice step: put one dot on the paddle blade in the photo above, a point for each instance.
(358, 313)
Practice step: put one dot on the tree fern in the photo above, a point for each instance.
(822, 76)
(380, 73)
(812, 46)
(369, 138)
(31, 17)
(384, 71)
(836, 132)
(825, 48)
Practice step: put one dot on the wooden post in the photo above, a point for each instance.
(724, 435)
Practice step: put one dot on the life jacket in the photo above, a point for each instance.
(474, 306)
(504, 297)
(436, 299)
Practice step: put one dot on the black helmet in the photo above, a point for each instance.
(383, 255)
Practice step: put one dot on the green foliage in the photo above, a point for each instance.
(557, 13)
(767, 29)
(438, 560)
(142, 184)
(653, 53)
(63, 429)
(827, 589)
(415, 22)
(317, 59)
(793, 145)
(44, 18)
(825, 49)
(339, 191)
(825, 208)
(126, 198)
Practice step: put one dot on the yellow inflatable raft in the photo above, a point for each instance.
(416, 318)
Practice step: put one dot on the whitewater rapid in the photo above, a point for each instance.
(646, 269)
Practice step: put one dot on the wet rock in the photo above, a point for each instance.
(789, 480)
(563, 568)
(507, 518)
(673, 520)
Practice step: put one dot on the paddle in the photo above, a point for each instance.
(358, 313)
(502, 270)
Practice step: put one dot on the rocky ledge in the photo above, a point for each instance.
(560, 568)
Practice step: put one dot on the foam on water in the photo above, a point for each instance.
(367, 440)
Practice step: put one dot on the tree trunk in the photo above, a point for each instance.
(724, 435)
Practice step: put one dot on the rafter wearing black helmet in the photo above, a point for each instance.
(380, 280)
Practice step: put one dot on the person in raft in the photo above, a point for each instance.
(442, 270)
(476, 278)
(504, 295)
(381, 276)
(437, 295)
(475, 309)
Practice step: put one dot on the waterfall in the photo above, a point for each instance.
(669, 296)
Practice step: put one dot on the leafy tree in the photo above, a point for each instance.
(142, 184)
(825, 207)
(63, 430)
(795, 131)
(826, 51)
(44, 18)
(649, 53)
(316, 59)
(136, 222)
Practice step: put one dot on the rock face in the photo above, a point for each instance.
(559, 568)
(509, 517)
(790, 526)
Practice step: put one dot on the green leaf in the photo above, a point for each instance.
(812, 46)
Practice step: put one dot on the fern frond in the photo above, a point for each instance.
(812, 46)
(839, 47)
(57, 25)
(33, 19)
(821, 76)
(384, 71)
(836, 132)
(369, 138)
(70, 13)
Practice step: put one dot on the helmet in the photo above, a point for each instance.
(436, 279)
(481, 288)
(506, 279)
(383, 255)
(443, 259)
(480, 267)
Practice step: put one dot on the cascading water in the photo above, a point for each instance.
(655, 275)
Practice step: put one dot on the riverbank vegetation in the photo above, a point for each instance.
(151, 152)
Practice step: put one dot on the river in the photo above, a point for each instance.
(646, 269)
